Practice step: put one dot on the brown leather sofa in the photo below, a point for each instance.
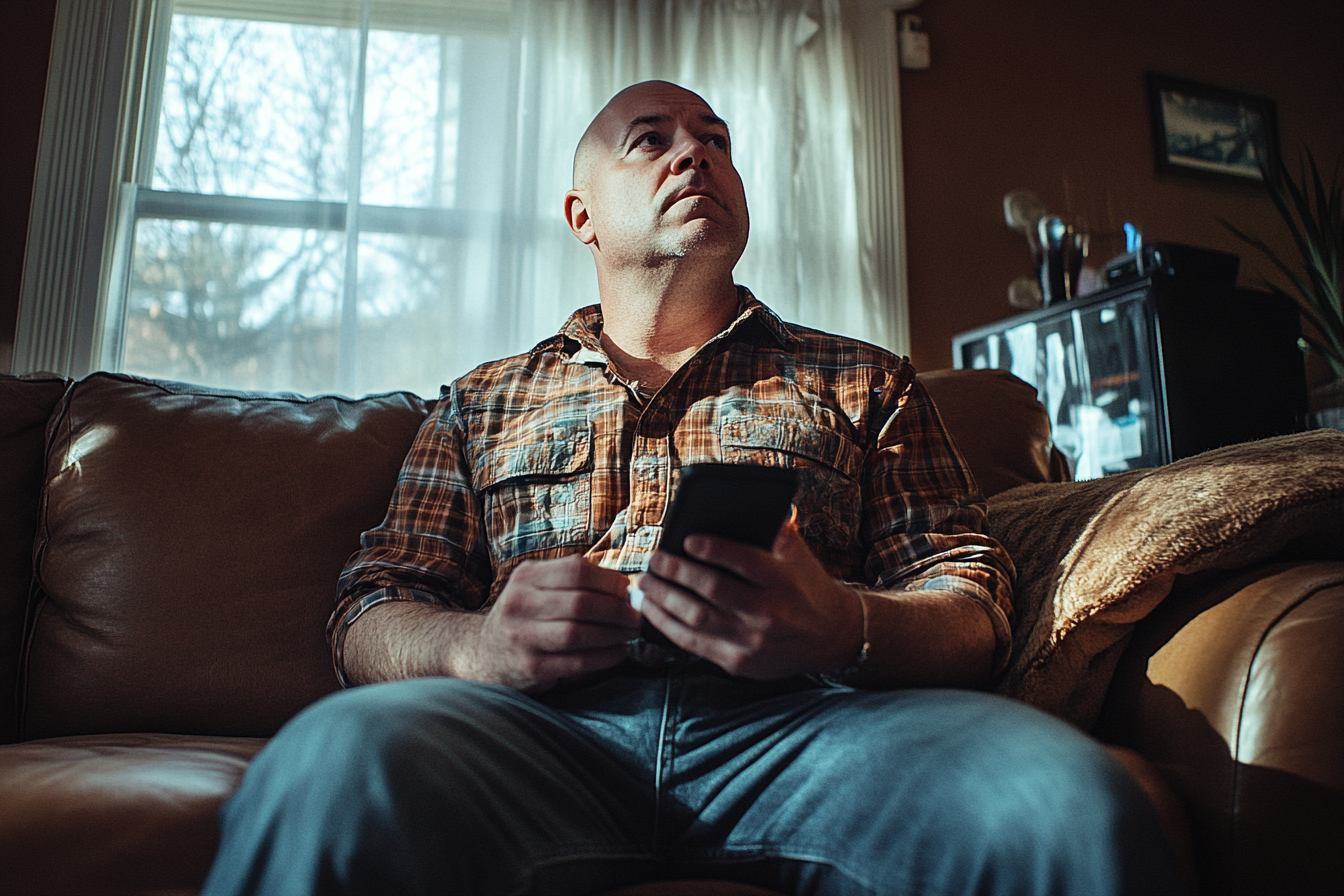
(168, 556)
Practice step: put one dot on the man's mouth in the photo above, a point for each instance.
(690, 192)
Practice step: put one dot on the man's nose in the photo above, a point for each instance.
(691, 153)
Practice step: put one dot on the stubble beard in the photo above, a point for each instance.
(710, 237)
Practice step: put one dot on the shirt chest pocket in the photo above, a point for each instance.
(828, 464)
(535, 484)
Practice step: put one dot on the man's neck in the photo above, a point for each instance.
(651, 329)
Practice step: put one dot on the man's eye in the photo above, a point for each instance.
(717, 141)
(652, 138)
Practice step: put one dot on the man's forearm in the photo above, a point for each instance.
(410, 639)
(926, 639)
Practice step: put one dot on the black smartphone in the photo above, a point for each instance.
(744, 502)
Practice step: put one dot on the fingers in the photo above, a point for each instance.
(704, 608)
(558, 618)
(570, 573)
(707, 559)
(671, 608)
(752, 612)
(568, 605)
(568, 589)
(521, 632)
(729, 641)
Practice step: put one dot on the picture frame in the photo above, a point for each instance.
(1208, 131)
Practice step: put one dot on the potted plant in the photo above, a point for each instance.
(1314, 213)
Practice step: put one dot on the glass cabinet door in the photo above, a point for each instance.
(1092, 366)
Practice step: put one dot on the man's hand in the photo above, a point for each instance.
(760, 614)
(554, 619)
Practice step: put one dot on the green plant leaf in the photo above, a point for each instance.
(1313, 212)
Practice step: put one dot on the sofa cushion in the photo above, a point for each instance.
(188, 551)
(115, 813)
(26, 404)
(999, 425)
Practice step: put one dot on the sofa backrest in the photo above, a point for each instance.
(188, 547)
(999, 425)
(26, 404)
(190, 539)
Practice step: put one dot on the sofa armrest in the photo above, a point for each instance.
(1231, 688)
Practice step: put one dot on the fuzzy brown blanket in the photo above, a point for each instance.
(1093, 558)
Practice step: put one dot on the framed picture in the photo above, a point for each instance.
(1198, 129)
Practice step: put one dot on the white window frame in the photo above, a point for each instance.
(98, 96)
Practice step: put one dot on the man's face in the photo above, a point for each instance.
(656, 179)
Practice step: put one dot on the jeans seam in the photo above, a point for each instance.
(664, 744)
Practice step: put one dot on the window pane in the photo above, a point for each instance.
(249, 307)
(410, 305)
(234, 306)
(256, 109)
(411, 119)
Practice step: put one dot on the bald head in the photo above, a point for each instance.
(604, 131)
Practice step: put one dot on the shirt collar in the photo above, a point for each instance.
(582, 333)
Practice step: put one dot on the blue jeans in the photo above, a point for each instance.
(445, 786)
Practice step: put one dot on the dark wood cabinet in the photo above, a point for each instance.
(1152, 371)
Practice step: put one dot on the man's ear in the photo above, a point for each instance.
(576, 215)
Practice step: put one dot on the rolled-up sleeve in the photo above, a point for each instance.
(430, 547)
(926, 521)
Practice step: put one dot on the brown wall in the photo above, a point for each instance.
(1051, 95)
(25, 46)
(1046, 94)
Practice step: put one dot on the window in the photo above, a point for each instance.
(313, 186)
(363, 195)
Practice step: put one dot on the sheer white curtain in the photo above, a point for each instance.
(777, 70)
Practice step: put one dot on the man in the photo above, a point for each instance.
(793, 737)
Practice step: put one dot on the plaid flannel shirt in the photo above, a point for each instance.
(551, 453)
